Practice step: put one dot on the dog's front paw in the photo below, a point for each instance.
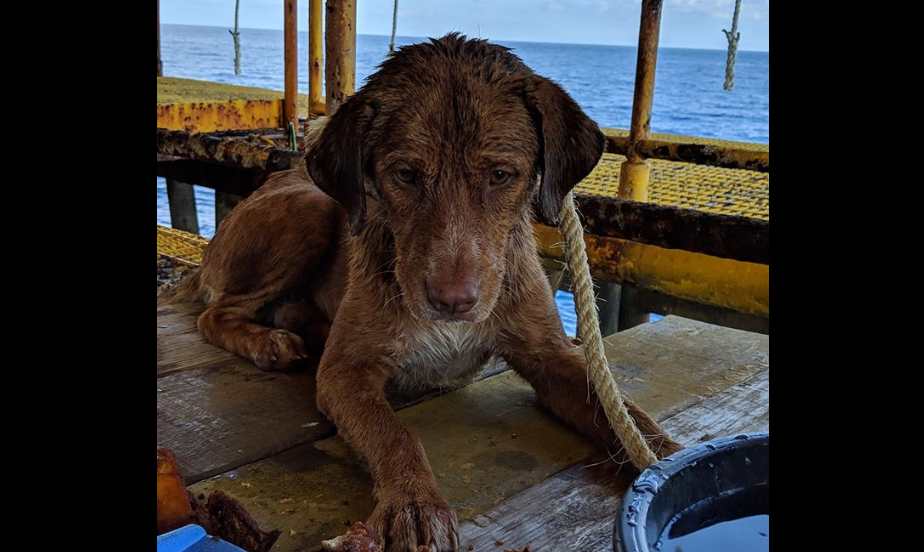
(408, 522)
(278, 350)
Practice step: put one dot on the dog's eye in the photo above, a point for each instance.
(499, 177)
(405, 175)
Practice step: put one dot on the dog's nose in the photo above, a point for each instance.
(453, 297)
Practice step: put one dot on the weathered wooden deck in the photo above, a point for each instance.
(514, 474)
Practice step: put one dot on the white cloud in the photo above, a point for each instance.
(753, 9)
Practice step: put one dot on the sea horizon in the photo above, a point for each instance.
(492, 39)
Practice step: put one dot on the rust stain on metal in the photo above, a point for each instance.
(700, 154)
(731, 237)
(649, 33)
(227, 150)
(739, 286)
(315, 57)
(218, 116)
(290, 66)
(340, 62)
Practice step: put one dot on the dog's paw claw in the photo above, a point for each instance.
(411, 523)
(279, 350)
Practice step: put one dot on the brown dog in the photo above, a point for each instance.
(429, 268)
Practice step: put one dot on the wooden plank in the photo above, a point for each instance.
(218, 411)
(576, 509)
(230, 413)
(179, 346)
(485, 442)
(656, 363)
(488, 441)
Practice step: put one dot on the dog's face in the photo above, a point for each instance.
(447, 141)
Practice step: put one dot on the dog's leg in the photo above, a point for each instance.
(536, 347)
(306, 321)
(410, 510)
(231, 327)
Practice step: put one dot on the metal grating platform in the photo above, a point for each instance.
(182, 247)
(690, 186)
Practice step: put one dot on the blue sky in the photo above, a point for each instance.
(684, 23)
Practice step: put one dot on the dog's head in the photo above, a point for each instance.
(447, 140)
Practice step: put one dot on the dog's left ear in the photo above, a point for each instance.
(335, 161)
(570, 145)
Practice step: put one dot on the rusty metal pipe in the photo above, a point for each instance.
(340, 62)
(290, 38)
(315, 57)
(633, 176)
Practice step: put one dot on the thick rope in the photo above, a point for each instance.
(733, 37)
(589, 331)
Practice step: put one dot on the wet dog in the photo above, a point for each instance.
(404, 250)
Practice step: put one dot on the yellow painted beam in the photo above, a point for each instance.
(204, 106)
(216, 116)
(742, 287)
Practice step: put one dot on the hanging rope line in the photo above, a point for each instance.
(394, 27)
(733, 37)
(589, 331)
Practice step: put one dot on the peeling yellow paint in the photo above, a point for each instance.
(743, 287)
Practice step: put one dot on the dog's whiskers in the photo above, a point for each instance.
(399, 294)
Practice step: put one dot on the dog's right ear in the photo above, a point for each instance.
(571, 145)
(336, 159)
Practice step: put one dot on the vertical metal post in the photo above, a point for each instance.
(635, 171)
(340, 63)
(182, 201)
(315, 57)
(160, 64)
(290, 37)
(394, 28)
(633, 175)
(609, 304)
(632, 312)
(181, 197)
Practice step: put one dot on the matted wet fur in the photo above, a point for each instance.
(427, 270)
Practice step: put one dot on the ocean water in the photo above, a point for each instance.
(689, 98)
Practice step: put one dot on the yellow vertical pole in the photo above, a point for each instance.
(633, 176)
(290, 39)
(315, 57)
(340, 62)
